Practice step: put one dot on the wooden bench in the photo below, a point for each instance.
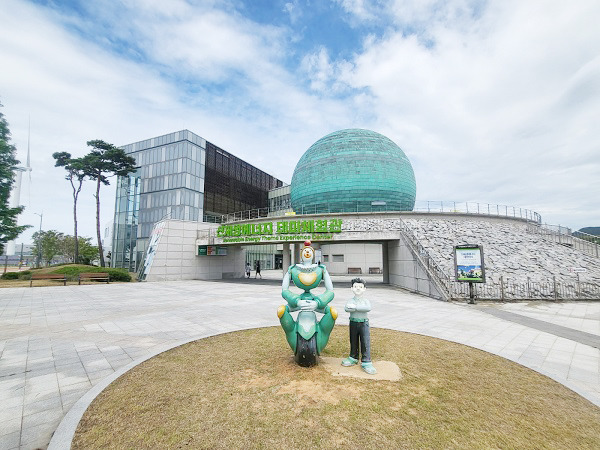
(48, 276)
(94, 276)
(354, 270)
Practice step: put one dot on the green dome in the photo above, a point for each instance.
(353, 170)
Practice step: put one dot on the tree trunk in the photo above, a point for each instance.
(76, 256)
(98, 223)
(75, 196)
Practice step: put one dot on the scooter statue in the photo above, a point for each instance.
(307, 336)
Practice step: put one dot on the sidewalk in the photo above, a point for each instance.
(57, 342)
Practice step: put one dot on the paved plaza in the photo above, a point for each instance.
(57, 342)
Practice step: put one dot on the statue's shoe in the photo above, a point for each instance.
(369, 368)
(349, 361)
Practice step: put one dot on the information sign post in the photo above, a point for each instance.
(469, 266)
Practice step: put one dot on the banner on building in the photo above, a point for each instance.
(155, 236)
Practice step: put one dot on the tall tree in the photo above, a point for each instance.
(9, 229)
(104, 161)
(75, 175)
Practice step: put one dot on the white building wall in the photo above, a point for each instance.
(361, 255)
(176, 259)
(406, 272)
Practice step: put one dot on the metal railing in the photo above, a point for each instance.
(438, 275)
(586, 237)
(212, 219)
(485, 209)
(507, 290)
(583, 242)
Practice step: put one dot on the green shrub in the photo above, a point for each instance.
(10, 276)
(118, 275)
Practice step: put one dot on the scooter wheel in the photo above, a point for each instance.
(306, 351)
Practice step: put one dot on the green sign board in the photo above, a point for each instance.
(211, 250)
(288, 230)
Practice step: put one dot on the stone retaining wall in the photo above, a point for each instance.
(512, 254)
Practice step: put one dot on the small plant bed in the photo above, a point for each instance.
(243, 390)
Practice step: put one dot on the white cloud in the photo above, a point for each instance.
(318, 68)
(294, 10)
(422, 13)
(211, 44)
(363, 10)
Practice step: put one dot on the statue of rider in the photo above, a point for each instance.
(306, 275)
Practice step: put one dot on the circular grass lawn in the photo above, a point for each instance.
(243, 389)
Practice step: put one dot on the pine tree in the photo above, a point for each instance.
(9, 230)
(75, 175)
(104, 161)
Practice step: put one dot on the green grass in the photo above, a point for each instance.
(243, 389)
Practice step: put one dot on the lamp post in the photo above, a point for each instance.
(39, 255)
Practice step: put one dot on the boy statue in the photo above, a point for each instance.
(358, 307)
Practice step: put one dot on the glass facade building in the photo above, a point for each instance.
(233, 185)
(180, 176)
(279, 199)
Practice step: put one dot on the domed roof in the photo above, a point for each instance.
(353, 170)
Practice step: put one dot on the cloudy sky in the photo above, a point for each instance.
(493, 101)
